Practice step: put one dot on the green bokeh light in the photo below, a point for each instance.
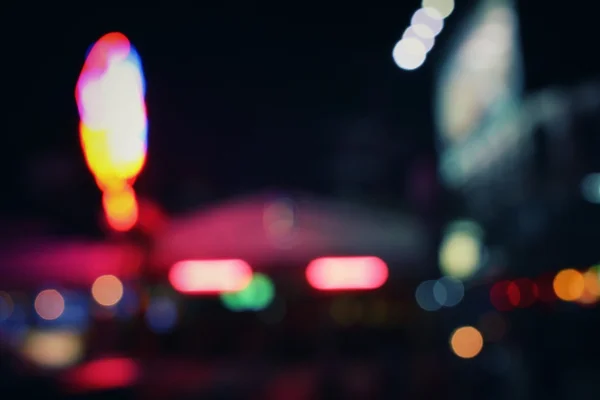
(256, 296)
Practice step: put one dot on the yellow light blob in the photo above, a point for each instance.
(53, 349)
(120, 208)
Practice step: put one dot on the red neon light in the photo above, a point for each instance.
(347, 273)
(103, 374)
(210, 276)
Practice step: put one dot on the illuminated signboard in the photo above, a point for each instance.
(478, 94)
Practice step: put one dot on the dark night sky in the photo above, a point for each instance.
(234, 90)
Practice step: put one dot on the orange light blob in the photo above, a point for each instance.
(49, 304)
(210, 276)
(466, 342)
(120, 208)
(109, 170)
(347, 273)
(569, 285)
(592, 282)
(107, 290)
(591, 291)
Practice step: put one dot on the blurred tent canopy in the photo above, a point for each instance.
(263, 230)
(267, 230)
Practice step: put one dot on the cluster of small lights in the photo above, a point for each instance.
(418, 39)
(569, 285)
(57, 340)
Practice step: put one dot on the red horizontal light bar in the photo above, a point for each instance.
(210, 276)
(103, 374)
(347, 273)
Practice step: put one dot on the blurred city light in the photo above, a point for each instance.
(161, 314)
(478, 113)
(425, 296)
(409, 53)
(418, 39)
(129, 304)
(120, 207)
(347, 273)
(590, 188)
(427, 22)
(107, 290)
(103, 374)
(523, 293)
(53, 349)
(461, 250)
(432, 295)
(443, 7)
(411, 32)
(500, 295)
(49, 304)
(258, 295)
(210, 276)
(113, 130)
(569, 285)
(466, 342)
(448, 291)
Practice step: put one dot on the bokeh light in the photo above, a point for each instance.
(347, 273)
(569, 285)
(210, 276)
(161, 314)
(107, 290)
(448, 291)
(592, 282)
(425, 296)
(256, 296)
(53, 349)
(427, 22)
(523, 293)
(113, 124)
(409, 53)
(461, 250)
(500, 295)
(49, 304)
(443, 7)
(411, 32)
(466, 342)
(120, 208)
